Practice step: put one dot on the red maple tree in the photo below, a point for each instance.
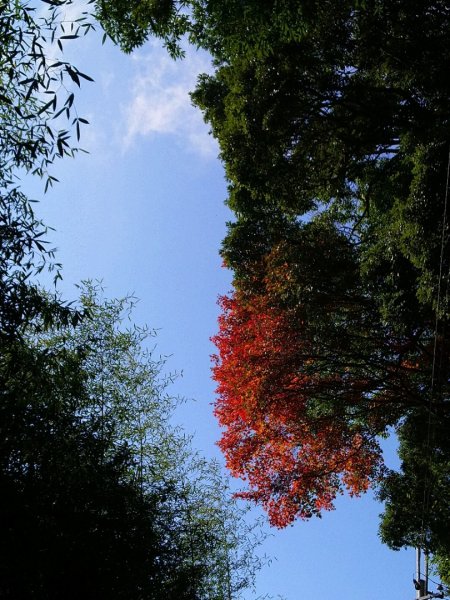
(278, 432)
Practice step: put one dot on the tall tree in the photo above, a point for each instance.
(202, 545)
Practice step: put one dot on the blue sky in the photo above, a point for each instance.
(144, 213)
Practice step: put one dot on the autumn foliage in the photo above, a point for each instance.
(294, 455)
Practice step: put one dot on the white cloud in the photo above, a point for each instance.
(160, 102)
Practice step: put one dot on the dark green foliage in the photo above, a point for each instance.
(61, 505)
(72, 522)
(129, 24)
(101, 497)
(24, 253)
(337, 114)
(417, 499)
(35, 103)
(401, 248)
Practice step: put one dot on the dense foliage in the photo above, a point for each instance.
(282, 431)
(336, 147)
(101, 497)
(333, 125)
(332, 120)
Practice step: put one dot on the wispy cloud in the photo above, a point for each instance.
(160, 102)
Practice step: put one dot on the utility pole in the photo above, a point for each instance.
(421, 583)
